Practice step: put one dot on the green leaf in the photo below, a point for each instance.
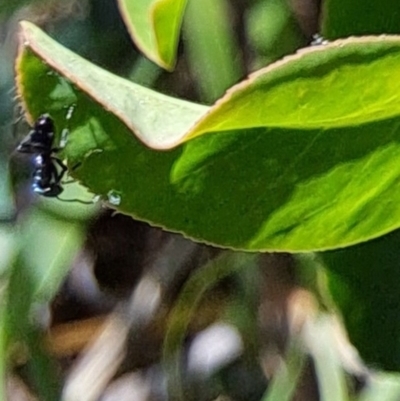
(344, 84)
(343, 18)
(155, 26)
(158, 121)
(302, 156)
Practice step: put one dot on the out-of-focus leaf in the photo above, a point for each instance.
(343, 18)
(7, 248)
(3, 353)
(212, 51)
(302, 156)
(155, 26)
(48, 248)
(271, 31)
(189, 299)
(284, 382)
(145, 72)
(382, 387)
(364, 284)
(11, 5)
(319, 336)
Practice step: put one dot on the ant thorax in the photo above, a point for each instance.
(48, 169)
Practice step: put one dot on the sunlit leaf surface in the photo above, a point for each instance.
(301, 156)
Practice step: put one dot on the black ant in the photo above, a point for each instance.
(49, 169)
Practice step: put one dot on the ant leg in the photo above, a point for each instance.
(77, 200)
(72, 169)
(59, 175)
(68, 182)
(64, 170)
(76, 166)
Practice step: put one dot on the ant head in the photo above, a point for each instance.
(43, 129)
(40, 138)
(44, 122)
